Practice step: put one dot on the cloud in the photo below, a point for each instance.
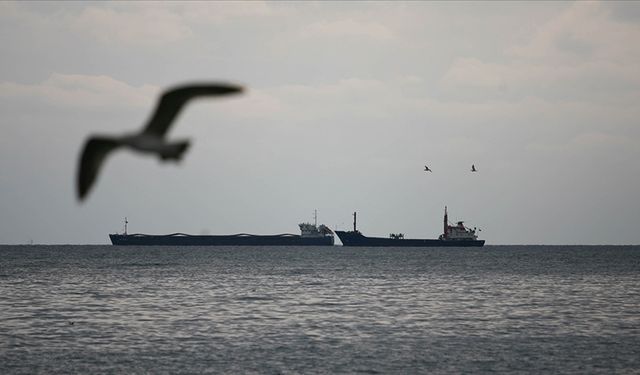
(82, 91)
(306, 100)
(474, 72)
(148, 25)
(403, 98)
(225, 12)
(581, 53)
(585, 29)
(136, 24)
(600, 75)
(348, 27)
(604, 141)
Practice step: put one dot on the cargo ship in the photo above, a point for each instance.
(454, 235)
(310, 235)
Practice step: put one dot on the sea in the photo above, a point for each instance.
(319, 310)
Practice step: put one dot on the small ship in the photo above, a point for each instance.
(310, 235)
(454, 235)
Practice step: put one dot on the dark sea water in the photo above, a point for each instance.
(509, 309)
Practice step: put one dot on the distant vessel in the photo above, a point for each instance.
(311, 235)
(454, 235)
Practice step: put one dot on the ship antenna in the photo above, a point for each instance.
(354, 221)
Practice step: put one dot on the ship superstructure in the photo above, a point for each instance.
(456, 232)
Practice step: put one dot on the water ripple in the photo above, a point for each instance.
(88, 309)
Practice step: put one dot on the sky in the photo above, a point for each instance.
(345, 103)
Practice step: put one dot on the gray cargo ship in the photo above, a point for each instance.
(310, 235)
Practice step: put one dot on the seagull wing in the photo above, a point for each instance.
(172, 101)
(95, 151)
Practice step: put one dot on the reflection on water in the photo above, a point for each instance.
(319, 310)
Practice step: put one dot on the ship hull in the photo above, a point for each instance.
(358, 239)
(179, 239)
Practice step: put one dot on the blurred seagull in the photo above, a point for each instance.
(426, 169)
(473, 168)
(151, 139)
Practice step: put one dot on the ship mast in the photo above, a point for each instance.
(315, 218)
(354, 222)
(125, 225)
(446, 232)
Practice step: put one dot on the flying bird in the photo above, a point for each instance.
(426, 169)
(152, 137)
(473, 168)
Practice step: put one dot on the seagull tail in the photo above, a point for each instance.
(175, 151)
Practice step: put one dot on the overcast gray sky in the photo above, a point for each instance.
(346, 102)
